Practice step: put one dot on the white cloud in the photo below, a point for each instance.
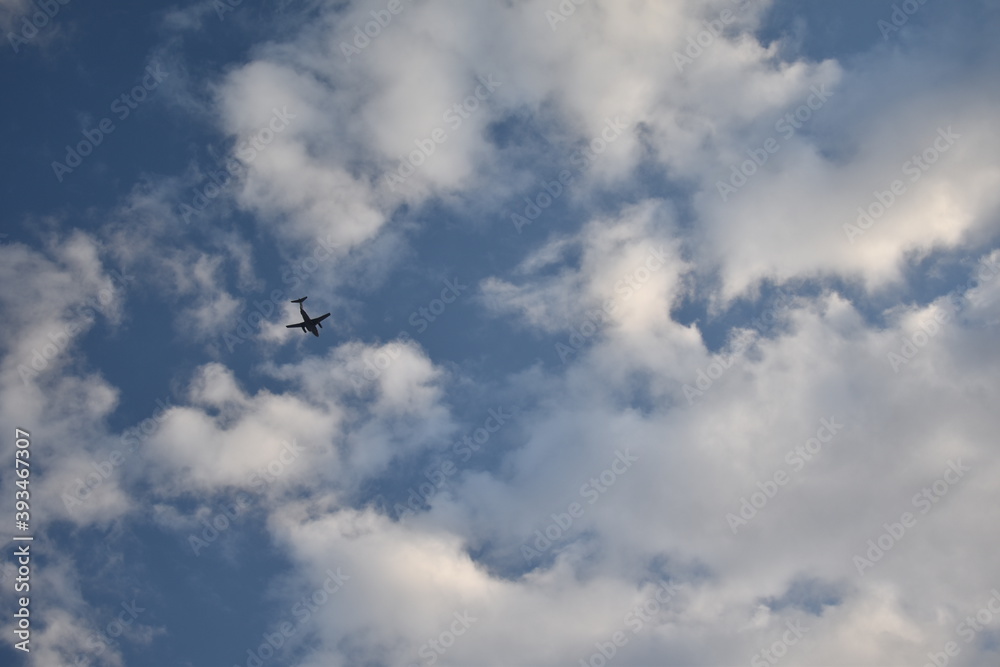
(667, 516)
(53, 299)
(623, 390)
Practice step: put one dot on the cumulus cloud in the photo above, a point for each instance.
(678, 515)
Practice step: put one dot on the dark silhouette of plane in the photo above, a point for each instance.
(307, 323)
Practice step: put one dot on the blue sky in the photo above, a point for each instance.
(662, 332)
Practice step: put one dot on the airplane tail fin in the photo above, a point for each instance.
(299, 300)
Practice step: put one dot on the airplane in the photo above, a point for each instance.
(307, 324)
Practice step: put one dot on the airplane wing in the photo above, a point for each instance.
(295, 326)
(317, 320)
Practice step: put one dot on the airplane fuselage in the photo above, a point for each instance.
(309, 326)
